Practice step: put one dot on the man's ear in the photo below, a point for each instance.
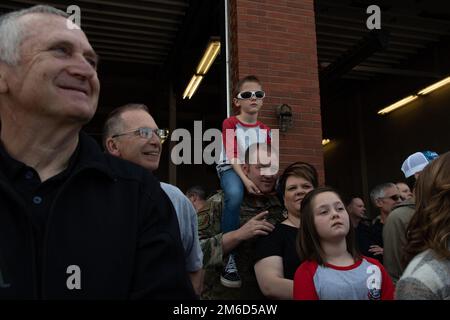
(112, 147)
(378, 203)
(246, 168)
(3, 83)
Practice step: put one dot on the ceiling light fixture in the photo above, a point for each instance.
(434, 86)
(398, 104)
(413, 97)
(208, 57)
(192, 86)
(205, 63)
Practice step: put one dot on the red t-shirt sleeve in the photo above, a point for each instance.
(387, 286)
(229, 146)
(304, 288)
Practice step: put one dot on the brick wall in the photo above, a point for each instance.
(276, 41)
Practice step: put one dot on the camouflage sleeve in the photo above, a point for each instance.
(212, 251)
(209, 231)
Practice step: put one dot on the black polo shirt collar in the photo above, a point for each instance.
(14, 169)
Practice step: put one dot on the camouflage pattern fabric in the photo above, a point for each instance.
(210, 235)
(209, 220)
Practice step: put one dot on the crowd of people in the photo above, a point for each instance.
(77, 222)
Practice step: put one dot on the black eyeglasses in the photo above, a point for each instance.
(146, 133)
(250, 94)
(394, 197)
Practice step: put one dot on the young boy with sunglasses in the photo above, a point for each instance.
(239, 132)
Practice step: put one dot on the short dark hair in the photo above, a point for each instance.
(308, 242)
(198, 191)
(238, 87)
(349, 200)
(113, 122)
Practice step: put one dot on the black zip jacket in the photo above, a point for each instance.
(111, 220)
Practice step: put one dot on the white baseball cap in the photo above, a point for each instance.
(417, 161)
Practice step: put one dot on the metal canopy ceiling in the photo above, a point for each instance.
(145, 31)
(412, 25)
(139, 31)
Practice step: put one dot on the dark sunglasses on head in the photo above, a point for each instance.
(250, 94)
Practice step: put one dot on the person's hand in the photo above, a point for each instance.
(376, 250)
(256, 226)
(251, 187)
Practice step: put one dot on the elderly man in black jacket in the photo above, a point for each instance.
(75, 223)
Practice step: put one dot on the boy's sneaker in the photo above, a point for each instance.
(230, 277)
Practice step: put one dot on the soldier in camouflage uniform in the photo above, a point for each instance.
(254, 222)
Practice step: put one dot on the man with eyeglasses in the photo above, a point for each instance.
(384, 197)
(130, 133)
(75, 223)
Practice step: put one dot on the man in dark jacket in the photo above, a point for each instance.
(74, 223)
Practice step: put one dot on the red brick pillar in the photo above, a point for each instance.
(276, 41)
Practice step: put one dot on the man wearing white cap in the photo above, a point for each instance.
(394, 230)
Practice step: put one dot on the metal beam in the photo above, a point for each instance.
(366, 47)
(338, 8)
(108, 13)
(140, 61)
(135, 5)
(397, 72)
(114, 49)
(132, 44)
(161, 39)
(114, 36)
(335, 35)
(358, 24)
(124, 22)
(126, 55)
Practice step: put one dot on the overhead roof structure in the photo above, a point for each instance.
(412, 25)
(125, 31)
(146, 31)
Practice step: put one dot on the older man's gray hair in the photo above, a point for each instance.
(379, 191)
(11, 31)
